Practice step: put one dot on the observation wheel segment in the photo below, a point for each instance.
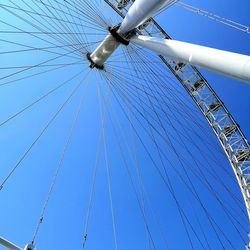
(220, 120)
(226, 129)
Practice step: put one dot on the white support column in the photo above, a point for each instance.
(11, 246)
(222, 62)
(140, 11)
(8, 244)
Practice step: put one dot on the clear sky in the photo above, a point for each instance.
(198, 207)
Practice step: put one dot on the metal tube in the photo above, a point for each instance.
(8, 244)
(140, 11)
(104, 50)
(230, 64)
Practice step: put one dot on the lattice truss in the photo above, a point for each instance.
(228, 132)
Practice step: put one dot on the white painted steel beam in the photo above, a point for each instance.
(230, 64)
(11, 246)
(8, 244)
(140, 11)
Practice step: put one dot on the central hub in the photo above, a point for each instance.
(111, 42)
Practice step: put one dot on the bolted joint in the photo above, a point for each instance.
(118, 37)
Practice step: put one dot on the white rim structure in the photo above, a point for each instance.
(139, 78)
(184, 57)
(230, 64)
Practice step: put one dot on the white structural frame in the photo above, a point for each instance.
(141, 11)
(226, 129)
(178, 59)
(11, 246)
(222, 62)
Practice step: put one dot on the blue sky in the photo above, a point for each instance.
(24, 194)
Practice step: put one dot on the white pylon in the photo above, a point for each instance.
(222, 62)
(140, 11)
(8, 244)
(11, 246)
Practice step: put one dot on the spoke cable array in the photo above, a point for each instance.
(163, 141)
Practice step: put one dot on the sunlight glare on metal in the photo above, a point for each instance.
(103, 52)
(111, 42)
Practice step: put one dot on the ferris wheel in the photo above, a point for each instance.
(146, 107)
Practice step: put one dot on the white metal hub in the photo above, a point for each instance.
(111, 42)
(139, 13)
